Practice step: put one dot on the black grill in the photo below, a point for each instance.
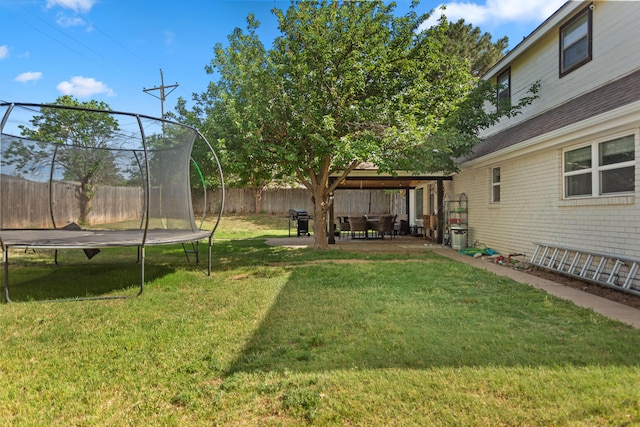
(300, 218)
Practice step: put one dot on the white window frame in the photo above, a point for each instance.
(495, 185)
(596, 169)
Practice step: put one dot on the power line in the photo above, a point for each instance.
(87, 20)
(35, 28)
(73, 39)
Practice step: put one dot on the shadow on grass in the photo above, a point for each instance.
(421, 315)
(37, 282)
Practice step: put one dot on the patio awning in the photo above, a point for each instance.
(385, 182)
(367, 178)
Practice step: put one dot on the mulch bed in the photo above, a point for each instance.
(592, 288)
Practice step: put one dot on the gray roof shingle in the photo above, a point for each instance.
(605, 98)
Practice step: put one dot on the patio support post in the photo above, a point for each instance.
(440, 203)
(406, 201)
(331, 226)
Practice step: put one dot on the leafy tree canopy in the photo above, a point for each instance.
(466, 41)
(346, 83)
(80, 139)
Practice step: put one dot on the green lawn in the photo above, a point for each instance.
(279, 336)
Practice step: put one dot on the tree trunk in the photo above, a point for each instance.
(320, 209)
(257, 197)
(84, 201)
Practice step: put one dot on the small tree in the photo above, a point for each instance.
(80, 140)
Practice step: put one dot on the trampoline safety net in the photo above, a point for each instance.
(105, 178)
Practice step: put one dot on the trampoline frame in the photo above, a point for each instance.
(77, 238)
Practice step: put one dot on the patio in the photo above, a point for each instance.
(400, 243)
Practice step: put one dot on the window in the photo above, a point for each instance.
(575, 42)
(495, 185)
(504, 90)
(600, 169)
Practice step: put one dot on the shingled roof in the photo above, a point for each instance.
(606, 98)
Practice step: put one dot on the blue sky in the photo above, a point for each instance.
(110, 50)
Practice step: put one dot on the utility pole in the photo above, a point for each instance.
(163, 94)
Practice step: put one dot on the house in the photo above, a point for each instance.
(565, 171)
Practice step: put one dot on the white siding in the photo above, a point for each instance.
(616, 34)
(532, 208)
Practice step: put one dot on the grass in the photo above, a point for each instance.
(280, 336)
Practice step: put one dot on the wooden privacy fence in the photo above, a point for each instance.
(28, 206)
(279, 201)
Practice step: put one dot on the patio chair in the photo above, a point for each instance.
(385, 225)
(343, 225)
(358, 227)
(401, 225)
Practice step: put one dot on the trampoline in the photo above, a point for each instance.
(75, 178)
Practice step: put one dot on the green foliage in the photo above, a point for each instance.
(346, 83)
(466, 41)
(77, 139)
(203, 171)
(233, 111)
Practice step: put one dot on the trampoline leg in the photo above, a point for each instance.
(209, 260)
(5, 260)
(193, 250)
(141, 258)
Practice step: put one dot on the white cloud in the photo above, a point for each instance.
(76, 6)
(69, 21)
(83, 87)
(169, 37)
(81, 6)
(4, 51)
(29, 76)
(496, 12)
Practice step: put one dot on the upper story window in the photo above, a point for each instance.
(504, 90)
(600, 169)
(495, 185)
(575, 42)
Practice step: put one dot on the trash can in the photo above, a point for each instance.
(300, 219)
(458, 236)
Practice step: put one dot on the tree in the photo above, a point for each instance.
(204, 170)
(233, 110)
(350, 82)
(467, 41)
(77, 139)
